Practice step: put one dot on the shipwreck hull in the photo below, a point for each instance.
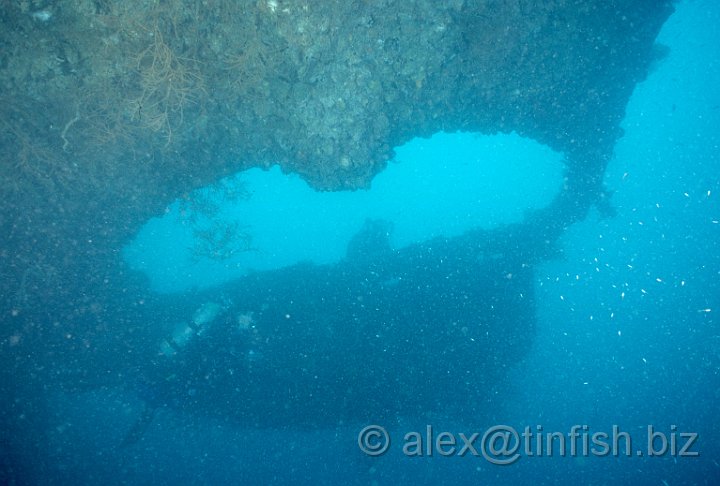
(428, 329)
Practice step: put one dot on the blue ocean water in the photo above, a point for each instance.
(626, 330)
(442, 186)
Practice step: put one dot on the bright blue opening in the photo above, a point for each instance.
(444, 185)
